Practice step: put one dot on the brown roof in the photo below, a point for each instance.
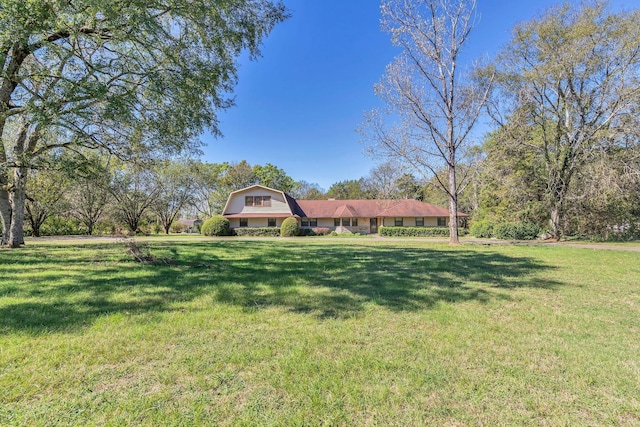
(369, 209)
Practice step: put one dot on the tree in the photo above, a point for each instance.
(424, 90)
(568, 85)
(304, 190)
(174, 185)
(135, 189)
(120, 76)
(348, 189)
(273, 177)
(382, 181)
(45, 196)
(89, 196)
(207, 181)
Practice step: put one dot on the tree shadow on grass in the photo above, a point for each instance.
(52, 288)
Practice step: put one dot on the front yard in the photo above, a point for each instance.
(318, 332)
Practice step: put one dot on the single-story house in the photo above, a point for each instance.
(259, 206)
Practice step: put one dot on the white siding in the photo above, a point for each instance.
(278, 203)
(254, 222)
(411, 222)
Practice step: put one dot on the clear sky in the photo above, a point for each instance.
(299, 105)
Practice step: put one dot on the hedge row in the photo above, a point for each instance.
(506, 230)
(257, 232)
(418, 231)
(315, 231)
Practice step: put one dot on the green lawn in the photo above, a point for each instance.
(319, 332)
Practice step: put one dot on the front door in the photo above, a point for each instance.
(373, 222)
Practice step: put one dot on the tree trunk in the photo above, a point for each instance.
(555, 220)
(453, 207)
(18, 197)
(5, 215)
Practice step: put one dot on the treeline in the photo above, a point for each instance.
(97, 195)
(103, 195)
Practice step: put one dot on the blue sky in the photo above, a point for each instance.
(299, 105)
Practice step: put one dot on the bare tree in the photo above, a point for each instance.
(433, 106)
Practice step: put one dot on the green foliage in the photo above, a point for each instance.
(289, 227)
(315, 231)
(175, 227)
(215, 226)
(418, 231)
(482, 228)
(348, 190)
(566, 90)
(516, 231)
(257, 231)
(62, 225)
(273, 177)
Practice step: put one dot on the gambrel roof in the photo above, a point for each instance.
(342, 208)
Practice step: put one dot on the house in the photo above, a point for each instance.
(191, 225)
(259, 206)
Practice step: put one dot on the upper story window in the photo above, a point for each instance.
(263, 201)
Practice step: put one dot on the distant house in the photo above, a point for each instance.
(259, 206)
(191, 225)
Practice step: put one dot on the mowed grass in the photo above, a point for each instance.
(319, 332)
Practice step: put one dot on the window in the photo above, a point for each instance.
(271, 222)
(309, 222)
(420, 222)
(257, 201)
(346, 222)
(244, 222)
(336, 222)
(442, 221)
(354, 222)
(398, 222)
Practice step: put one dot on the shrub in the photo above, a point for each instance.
(289, 227)
(516, 231)
(177, 227)
(61, 225)
(315, 231)
(215, 226)
(419, 231)
(413, 231)
(257, 231)
(482, 228)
